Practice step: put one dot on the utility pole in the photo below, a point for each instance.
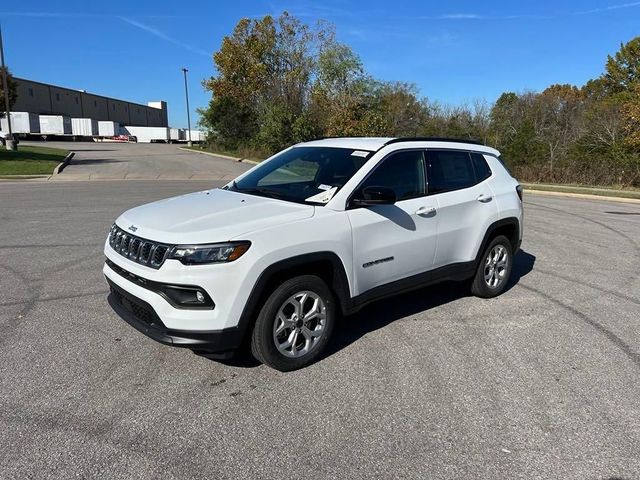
(10, 144)
(186, 94)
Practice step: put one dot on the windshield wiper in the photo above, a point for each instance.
(261, 191)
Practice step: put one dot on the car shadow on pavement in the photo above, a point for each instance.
(383, 312)
(522, 265)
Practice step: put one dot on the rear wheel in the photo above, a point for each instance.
(494, 269)
(295, 324)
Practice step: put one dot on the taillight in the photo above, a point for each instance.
(519, 191)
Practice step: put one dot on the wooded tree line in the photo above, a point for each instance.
(280, 81)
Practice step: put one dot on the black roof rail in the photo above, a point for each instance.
(432, 139)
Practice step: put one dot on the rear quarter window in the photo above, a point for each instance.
(449, 170)
(480, 166)
(504, 164)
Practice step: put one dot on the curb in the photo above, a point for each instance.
(560, 187)
(9, 178)
(584, 196)
(219, 155)
(62, 165)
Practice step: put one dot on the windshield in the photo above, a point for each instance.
(303, 174)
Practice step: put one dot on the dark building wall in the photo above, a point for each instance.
(157, 114)
(65, 102)
(154, 117)
(32, 97)
(44, 99)
(138, 114)
(94, 107)
(118, 111)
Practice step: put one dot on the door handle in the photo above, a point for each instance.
(484, 198)
(425, 210)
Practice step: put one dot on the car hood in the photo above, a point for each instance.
(210, 216)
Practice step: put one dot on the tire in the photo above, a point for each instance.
(494, 268)
(278, 322)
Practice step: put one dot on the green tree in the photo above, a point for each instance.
(630, 113)
(399, 108)
(267, 66)
(244, 61)
(504, 122)
(229, 121)
(623, 69)
(341, 96)
(340, 72)
(557, 118)
(12, 86)
(603, 125)
(513, 129)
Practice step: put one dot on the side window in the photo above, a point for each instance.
(449, 170)
(480, 166)
(403, 172)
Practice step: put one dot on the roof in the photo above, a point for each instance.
(376, 143)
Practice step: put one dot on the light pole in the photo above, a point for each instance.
(10, 144)
(186, 95)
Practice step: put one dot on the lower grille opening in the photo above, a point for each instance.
(139, 308)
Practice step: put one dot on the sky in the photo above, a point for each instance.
(455, 51)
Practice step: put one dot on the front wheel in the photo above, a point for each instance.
(494, 269)
(295, 324)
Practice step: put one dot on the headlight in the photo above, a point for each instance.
(214, 253)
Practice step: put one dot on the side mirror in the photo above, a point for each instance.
(373, 195)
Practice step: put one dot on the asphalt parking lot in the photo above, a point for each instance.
(542, 382)
(141, 161)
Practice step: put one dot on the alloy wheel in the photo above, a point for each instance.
(495, 266)
(299, 324)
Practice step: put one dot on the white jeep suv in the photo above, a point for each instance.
(318, 230)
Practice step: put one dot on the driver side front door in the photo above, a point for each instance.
(392, 242)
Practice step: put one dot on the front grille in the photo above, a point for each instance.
(139, 250)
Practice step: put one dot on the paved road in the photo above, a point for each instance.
(142, 161)
(542, 382)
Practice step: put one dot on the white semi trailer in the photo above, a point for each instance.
(108, 128)
(148, 134)
(55, 125)
(21, 122)
(84, 127)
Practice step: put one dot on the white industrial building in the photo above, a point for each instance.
(48, 110)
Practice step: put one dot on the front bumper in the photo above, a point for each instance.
(141, 316)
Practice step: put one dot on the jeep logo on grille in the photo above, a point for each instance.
(132, 228)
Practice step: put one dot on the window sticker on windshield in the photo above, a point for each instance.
(322, 186)
(359, 153)
(323, 197)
